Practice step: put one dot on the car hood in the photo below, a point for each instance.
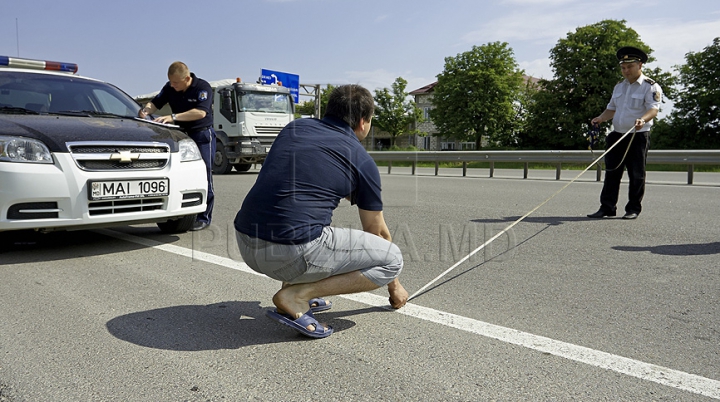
(56, 131)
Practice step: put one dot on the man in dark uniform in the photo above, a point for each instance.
(190, 100)
(634, 104)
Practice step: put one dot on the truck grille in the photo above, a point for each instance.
(268, 130)
(112, 156)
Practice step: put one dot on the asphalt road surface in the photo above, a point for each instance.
(560, 307)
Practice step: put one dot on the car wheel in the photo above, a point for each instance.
(179, 225)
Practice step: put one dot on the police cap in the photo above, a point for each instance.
(629, 54)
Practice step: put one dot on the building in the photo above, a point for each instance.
(434, 141)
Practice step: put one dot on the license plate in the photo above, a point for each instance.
(121, 189)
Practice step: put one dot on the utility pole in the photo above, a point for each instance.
(17, 36)
(314, 91)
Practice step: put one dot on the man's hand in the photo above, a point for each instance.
(165, 120)
(398, 294)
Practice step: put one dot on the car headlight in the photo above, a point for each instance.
(26, 150)
(189, 151)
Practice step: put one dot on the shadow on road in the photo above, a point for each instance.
(225, 325)
(548, 220)
(676, 249)
(27, 246)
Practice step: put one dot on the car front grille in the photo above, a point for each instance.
(114, 156)
(33, 210)
(124, 206)
(192, 199)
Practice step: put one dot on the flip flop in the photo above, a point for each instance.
(300, 325)
(317, 305)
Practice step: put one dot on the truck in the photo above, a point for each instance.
(247, 117)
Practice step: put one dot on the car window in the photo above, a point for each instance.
(55, 93)
(111, 104)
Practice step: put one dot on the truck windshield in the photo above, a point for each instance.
(264, 102)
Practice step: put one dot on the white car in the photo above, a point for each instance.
(74, 155)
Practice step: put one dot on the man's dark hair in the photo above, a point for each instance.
(351, 103)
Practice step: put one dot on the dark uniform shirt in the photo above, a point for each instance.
(197, 96)
(311, 166)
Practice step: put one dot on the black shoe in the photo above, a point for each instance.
(601, 214)
(199, 226)
(630, 215)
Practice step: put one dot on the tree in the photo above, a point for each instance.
(475, 94)
(394, 113)
(695, 120)
(585, 70)
(306, 108)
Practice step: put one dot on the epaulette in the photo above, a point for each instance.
(650, 81)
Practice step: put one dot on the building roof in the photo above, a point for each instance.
(426, 89)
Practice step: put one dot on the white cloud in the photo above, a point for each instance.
(539, 68)
(671, 40)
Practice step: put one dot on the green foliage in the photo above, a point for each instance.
(695, 120)
(394, 113)
(476, 93)
(324, 97)
(306, 108)
(585, 70)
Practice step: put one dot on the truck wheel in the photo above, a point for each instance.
(242, 167)
(220, 162)
(179, 225)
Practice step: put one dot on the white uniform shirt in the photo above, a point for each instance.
(631, 101)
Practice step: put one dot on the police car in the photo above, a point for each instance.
(74, 155)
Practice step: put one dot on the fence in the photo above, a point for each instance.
(690, 158)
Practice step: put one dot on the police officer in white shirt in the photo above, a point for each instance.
(635, 103)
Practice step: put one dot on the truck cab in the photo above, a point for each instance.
(247, 118)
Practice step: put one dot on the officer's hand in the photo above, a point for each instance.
(639, 123)
(164, 119)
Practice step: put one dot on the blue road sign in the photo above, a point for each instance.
(287, 80)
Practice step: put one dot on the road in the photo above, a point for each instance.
(560, 307)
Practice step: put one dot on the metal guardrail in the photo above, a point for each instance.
(557, 158)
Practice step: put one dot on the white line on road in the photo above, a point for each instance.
(645, 371)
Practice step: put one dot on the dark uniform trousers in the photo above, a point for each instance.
(616, 161)
(205, 140)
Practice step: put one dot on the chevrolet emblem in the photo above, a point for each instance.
(124, 156)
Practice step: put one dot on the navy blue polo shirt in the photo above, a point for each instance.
(311, 166)
(197, 96)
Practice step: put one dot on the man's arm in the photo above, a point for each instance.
(649, 115)
(606, 115)
(374, 222)
(190, 115)
(147, 110)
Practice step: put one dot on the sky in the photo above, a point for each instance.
(368, 42)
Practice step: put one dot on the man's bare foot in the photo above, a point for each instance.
(289, 302)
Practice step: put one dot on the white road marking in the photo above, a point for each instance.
(635, 368)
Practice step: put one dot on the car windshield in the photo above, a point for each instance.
(26, 92)
(264, 102)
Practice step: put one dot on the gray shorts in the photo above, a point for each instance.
(336, 251)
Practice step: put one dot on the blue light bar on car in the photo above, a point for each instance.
(18, 62)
